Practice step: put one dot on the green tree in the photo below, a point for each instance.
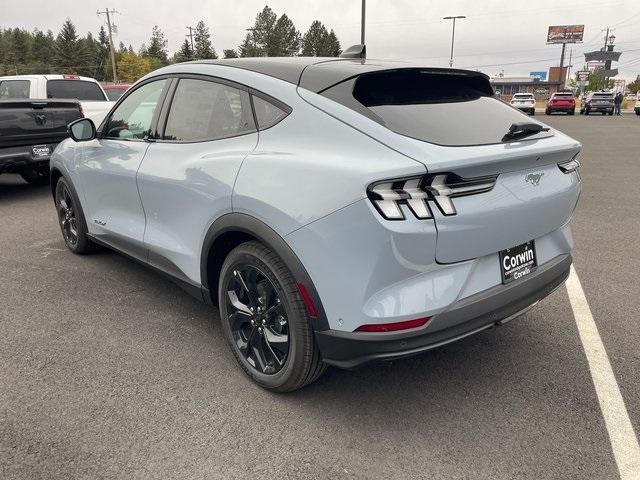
(157, 45)
(634, 87)
(69, 53)
(271, 36)
(285, 40)
(333, 47)
(318, 42)
(202, 42)
(184, 54)
(230, 53)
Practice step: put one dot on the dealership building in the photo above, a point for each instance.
(506, 86)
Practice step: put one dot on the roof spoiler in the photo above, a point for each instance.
(355, 51)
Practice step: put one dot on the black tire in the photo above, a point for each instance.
(604, 113)
(547, 112)
(533, 112)
(572, 112)
(302, 363)
(35, 176)
(611, 112)
(71, 219)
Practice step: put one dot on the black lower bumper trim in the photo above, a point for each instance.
(468, 316)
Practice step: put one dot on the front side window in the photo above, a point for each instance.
(206, 110)
(132, 118)
(78, 89)
(10, 89)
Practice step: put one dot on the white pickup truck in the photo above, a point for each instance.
(94, 102)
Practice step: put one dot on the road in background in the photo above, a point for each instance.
(108, 370)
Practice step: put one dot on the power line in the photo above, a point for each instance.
(108, 13)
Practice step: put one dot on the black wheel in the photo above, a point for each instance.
(611, 112)
(572, 112)
(265, 320)
(35, 176)
(547, 112)
(533, 112)
(71, 220)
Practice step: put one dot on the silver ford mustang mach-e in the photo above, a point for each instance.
(338, 211)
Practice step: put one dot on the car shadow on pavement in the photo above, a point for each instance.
(12, 187)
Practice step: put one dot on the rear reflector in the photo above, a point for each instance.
(393, 327)
(308, 302)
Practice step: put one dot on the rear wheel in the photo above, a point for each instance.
(35, 176)
(265, 320)
(71, 220)
(547, 112)
(572, 112)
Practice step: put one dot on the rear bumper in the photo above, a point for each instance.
(562, 109)
(483, 310)
(16, 159)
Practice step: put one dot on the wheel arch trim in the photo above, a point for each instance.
(246, 224)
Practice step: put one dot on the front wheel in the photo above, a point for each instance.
(265, 320)
(71, 220)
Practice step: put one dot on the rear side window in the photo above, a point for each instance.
(78, 89)
(438, 107)
(267, 114)
(10, 89)
(206, 110)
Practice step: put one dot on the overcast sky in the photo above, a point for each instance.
(496, 35)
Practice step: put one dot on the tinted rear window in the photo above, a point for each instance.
(603, 96)
(563, 95)
(78, 89)
(438, 107)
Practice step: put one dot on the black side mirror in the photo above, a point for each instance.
(82, 130)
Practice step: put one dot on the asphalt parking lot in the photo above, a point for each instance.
(108, 370)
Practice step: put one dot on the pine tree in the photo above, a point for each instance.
(333, 48)
(249, 47)
(185, 53)
(230, 53)
(202, 42)
(157, 45)
(285, 41)
(70, 54)
(314, 40)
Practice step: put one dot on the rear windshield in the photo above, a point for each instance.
(563, 95)
(78, 89)
(605, 96)
(523, 95)
(445, 108)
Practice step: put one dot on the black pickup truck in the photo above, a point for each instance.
(29, 131)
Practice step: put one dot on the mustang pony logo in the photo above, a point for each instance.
(534, 178)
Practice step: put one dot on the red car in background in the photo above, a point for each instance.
(115, 90)
(561, 102)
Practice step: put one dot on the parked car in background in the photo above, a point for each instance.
(417, 210)
(30, 130)
(93, 100)
(602, 102)
(637, 105)
(115, 90)
(525, 102)
(561, 102)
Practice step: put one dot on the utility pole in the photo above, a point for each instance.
(190, 35)
(453, 35)
(364, 11)
(108, 12)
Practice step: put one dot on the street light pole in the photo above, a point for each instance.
(453, 35)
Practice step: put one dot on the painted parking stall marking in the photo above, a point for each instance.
(616, 418)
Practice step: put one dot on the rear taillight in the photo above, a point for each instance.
(393, 327)
(570, 166)
(416, 193)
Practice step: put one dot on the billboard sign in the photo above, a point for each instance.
(542, 76)
(565, 34)
(582, 76)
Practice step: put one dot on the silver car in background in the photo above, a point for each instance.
(338, 211)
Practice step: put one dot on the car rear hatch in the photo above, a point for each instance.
(451, 123)
(563, 101)
(602, 100)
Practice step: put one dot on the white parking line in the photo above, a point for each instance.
(621, 435)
